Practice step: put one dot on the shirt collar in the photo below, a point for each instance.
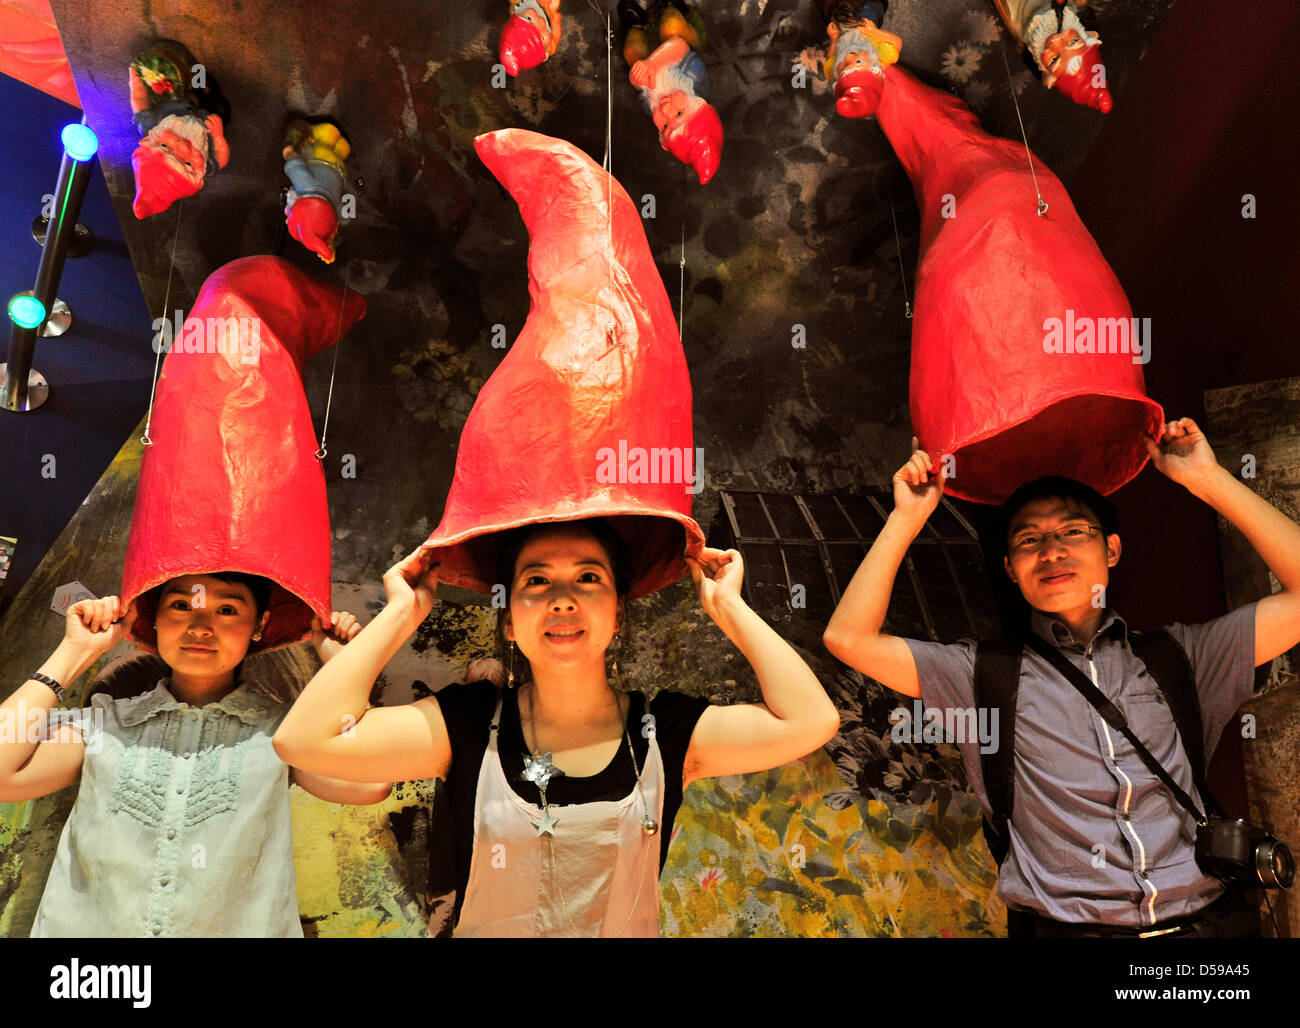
(243, 703)
(1058, 633)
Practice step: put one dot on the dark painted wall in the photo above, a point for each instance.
(1161, 191)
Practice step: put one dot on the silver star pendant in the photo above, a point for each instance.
(547, 824)
(540, 770)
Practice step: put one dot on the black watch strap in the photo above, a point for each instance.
(59, 691)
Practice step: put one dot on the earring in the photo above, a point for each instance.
(615, 675)
(257, 637)
(510, 671)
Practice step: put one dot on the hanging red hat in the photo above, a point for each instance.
(158, 184)
(522, 45)
(596, 377)
(697, 142)
(314, 223)
(231, 481)
(994, 281)
(857, 92)
(1081, 88)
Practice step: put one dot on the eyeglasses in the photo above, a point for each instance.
(1071, 536)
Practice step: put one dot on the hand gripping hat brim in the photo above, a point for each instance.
(231, 481)
(589, 413)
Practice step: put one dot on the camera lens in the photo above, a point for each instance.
(1274, 864)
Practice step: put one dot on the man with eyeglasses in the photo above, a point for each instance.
(1098, 846)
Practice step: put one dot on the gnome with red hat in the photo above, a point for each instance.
(182, 115)
(1026, 358)
(228, 555)
(1060, 47)
(661, 44)
(860, 52)
(314, 155)
(531, 34)
(572, 495)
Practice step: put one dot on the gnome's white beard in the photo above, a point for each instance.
(1042, 26)
(191, 129)
(852, 41)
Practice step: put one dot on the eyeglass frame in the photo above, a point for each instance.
(1020, 548)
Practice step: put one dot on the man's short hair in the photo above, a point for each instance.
(1057, 487)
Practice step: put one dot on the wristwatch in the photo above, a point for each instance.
(59, 691)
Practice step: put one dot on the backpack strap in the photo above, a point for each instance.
(1167, 662)
(997, 681)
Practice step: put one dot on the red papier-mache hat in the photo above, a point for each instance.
(595, 382)
(231, 481)
(997, 288)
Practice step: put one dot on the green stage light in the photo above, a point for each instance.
(26, 311)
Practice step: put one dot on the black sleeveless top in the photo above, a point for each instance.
(467, 711)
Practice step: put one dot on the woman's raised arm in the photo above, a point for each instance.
(32, 763)
(331, 730)
(795, 717)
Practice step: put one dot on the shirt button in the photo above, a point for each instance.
(163, 881)
(157, 929)
(180, 789)
(171, 833)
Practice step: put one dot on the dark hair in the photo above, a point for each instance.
(514, 541)
(1057, 487)
(512, 545)
(257, 585)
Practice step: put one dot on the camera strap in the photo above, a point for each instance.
(1112, 716)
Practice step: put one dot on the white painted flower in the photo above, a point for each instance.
(982, 27)
(960, 62)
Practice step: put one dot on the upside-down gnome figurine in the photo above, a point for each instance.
(1067, 53)
(182, 115)
(314, 155)
(859, 54)
(531, 34)
(662, 45)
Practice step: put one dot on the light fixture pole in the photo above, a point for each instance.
(22, 387)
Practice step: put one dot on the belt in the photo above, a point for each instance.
(1228, 916)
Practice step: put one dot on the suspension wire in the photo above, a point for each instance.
(146, 439)
(1042, 204)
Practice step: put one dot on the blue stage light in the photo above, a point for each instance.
(80, 142)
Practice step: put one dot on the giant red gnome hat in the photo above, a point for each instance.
(595, 383)
(231, 482)
(1011, 311)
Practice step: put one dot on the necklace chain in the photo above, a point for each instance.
(550, 838)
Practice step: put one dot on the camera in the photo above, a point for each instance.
(1239, 853)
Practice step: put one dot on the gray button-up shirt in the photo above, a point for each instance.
(1095, 837)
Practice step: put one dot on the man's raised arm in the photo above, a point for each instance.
(1183, 454)
(853, 634)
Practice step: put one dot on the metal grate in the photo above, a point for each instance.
(801, 551)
